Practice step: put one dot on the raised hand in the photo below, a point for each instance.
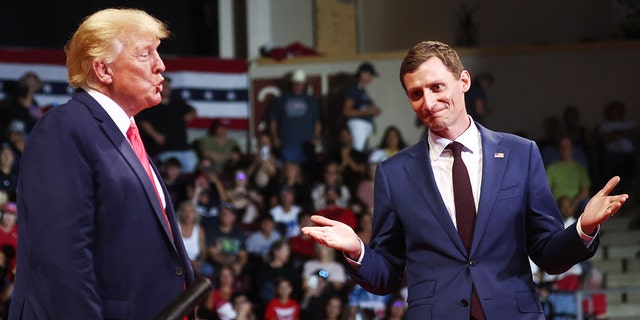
(602, 206)
(334, 234)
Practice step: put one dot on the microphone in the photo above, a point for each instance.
(187, 300)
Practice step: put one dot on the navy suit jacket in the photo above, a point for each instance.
(93, 241)
(517, 218)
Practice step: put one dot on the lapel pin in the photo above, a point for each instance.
(498, 155)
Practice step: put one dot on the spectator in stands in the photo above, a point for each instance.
(242, 306)
(8, 172)
(193, 236)
(15, 136)
(333, 211)
(365, 224)
(263, 170)
(358, 107)
(259, 242)
(352, 164)
(8, 249)
(247, 202)
(476, 97)
(303, 247)
(23, 105)
(225, 242)
(569, 178)
(8, 239)
(176, 181)
(207, 192)
(218, 146)
(396, 308)
(164, 129)
(215, 305)
(617, 135)
(332, 308)
(294, 121)
(391, 143)
(283, 306)
(364, 191)
(291, 176)
(277, 265)
(287, 211)
(331, 176)
(582, 138)
(317, 291)
(325, 260)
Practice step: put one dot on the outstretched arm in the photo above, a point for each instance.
(336, 235)
(601, 207)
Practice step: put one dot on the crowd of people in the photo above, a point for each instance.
(240, 213)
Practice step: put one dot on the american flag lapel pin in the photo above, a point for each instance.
(498, 155)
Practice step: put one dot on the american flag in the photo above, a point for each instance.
(217, 88)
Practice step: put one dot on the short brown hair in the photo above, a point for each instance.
(101, 35)
(425, 50)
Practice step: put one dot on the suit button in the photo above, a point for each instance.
(179, 271)
(472, 263)
(464, 302)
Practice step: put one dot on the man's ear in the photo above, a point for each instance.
(103, 72)
(465, 78)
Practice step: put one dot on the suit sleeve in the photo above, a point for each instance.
(553, 249)
(57, 197)
(383, 264)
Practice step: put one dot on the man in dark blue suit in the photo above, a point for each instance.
(415, 226)
(98, 234)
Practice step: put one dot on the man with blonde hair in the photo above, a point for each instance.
(98, 234)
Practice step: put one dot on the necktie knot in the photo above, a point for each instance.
(132, 132)
(456, 148)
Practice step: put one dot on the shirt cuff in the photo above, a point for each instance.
(356, 263)
(587, 239)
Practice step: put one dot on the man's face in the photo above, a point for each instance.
(437, 97)
(136, 73)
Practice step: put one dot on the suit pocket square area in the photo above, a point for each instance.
(510, 192)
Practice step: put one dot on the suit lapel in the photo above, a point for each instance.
(431, 198)
(116, 137)
(494, 162)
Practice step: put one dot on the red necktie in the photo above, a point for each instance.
(465, 214)
(134, 137)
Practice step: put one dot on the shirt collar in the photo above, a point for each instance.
(114, 111)
(469, 139)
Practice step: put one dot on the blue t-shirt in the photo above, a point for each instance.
(296, 116)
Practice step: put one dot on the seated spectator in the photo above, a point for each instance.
(291, 176)
(283, 306)
(175, 180)
(259, 242)
(333, 211)
(215, 305)
(351, 162)
(303, 247)
(276, 265)
(246, 201)
(207, 192)
(15, 139)
(391, 143)
(332, 176)
(617, 135)
(8, 250)
(286, 213)
(568, 178)
(193, 236)
(225, 242)
(264, 168)
(325, 260)
(8, 172)
(218, 146)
